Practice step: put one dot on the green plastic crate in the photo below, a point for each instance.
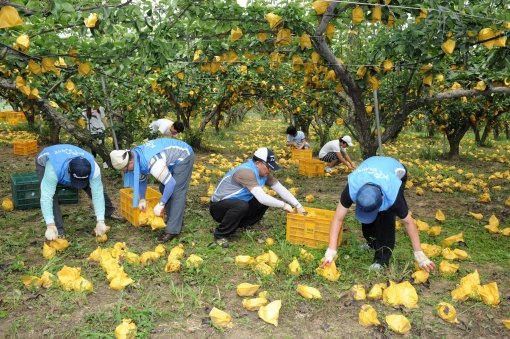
(25, 190)
(26, 193)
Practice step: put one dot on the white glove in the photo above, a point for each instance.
(329, 256)
(142, 204)
(158, 209)
(301, 210)
(287, 208)
(100, 229)
(51, 232)
(422, 260)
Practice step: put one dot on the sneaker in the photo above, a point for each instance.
(375, 267)
(222, 242)
(105, 165)
(328, 169)
(365, 247)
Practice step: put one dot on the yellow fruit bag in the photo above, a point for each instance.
(220, 318)
(308, 292)
(398, 323)
(254, 304)
(246, 289)
(358, 292)
(271, 312)
(244, 261)
(448, 268)
(157, 223)
(48, 251)
(126, 330)
(420, 277)
(173, 265)
(329, 272)
(295, 268)
(194, 261)
(368, 316)
(489, 293)
(263, 269)
(376, 292)
(447, 312)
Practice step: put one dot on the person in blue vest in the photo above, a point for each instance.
(377, 189)
(70, 166)
(170, 161)
(239, 200)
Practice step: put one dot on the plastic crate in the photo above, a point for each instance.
(24, 147)
(131, 213)
(311, 167)
(311, 230)
(67, 195)
(299, 154)
(25, 190)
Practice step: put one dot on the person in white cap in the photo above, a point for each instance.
(377, 189)
(167, 127)
(170, 161)
(334, 152)
(239, 200)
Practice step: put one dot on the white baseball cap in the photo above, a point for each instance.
(347, 139)
(119, 158)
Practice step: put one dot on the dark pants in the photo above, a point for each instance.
(232, 214)
(57, 214)
(100, 140)
(380, 235)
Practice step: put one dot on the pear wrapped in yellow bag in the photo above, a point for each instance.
(7, 204)
(126, 330)
(448, 254)
(173, 265)
(434, 231)
(329, 272)
(48, 251)
(160, 249)
(358, 292)
(177, 252)
(244, 261)
(400, 294)
(70, 279)
(468, 287)
(447, 312)
(431, 250)
(306, 256)
(157, 223)
(270, 312)
(506, 322)
(263, 269)
(149, 257)
(101, 238)
(398, 323)
(376, 292)
(295, 268)
(420, 276)
(31, 281)
(246, 289)
(461, 254)
(440, 216)
(59, 244)
(273, 259)
(47, 279)
(132, 258)
(254, 304)
(489, 293)
(220, 318)
(368, 316)
(453, 239)
(308, 292)
(145, 217)
(120, 281)
(194, 261)
(447, 267)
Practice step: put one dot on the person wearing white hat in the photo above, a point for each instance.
(170, 161)
(239, 200)
(167, 127)
(334, 152)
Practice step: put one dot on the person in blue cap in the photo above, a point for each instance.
(70, 166)
(239, 200)
(170, 161)
(377, 188)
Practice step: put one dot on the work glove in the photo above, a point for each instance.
(100, 229)
(287, 208)
(158, 209)
(301, 210)
(142, 204)
(425, 263)
(329, 257)
(51, 232)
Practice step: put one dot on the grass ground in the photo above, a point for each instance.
(177, 304)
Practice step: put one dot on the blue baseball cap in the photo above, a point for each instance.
(368, 201)
(79, 170)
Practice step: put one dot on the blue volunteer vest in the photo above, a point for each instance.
(245, 194)
(60, 155)
(143, 154)
(380, 171)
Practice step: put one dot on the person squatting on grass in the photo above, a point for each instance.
(334, 152)
(70, 166)
(170, 161)
(296, 138)
(377, 188)
(239, 200)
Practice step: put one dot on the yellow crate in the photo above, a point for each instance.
(311, 230)
(24, 147)
(131, 213)
(299, 154)
(12, 117)
(311, 167)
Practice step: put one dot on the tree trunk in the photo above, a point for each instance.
(431, 129)
(507, 129)
(454, 140)
(496, 131)
(476, 131)
(54, 132)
